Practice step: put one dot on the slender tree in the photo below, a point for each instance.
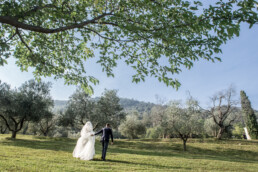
(47, 123)
(249, 116)
(55, 37)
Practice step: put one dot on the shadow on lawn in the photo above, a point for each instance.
(149, 165)
(148, 148)
(171, 149)
(56, 144)
(47, 143)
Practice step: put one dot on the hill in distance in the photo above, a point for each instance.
(127, 104)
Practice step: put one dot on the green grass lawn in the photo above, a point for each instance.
(30, 153)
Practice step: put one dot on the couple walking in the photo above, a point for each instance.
(85, 147)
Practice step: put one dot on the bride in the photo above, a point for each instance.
(85, 147)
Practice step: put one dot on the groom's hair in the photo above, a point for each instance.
(108, 125)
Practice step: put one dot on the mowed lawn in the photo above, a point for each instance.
(31, 153)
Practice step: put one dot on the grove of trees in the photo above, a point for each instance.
(29, 103)
(30, 110)
(82, 108)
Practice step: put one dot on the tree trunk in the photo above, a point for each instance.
(221, 131)
(184, 144)
(14, 132)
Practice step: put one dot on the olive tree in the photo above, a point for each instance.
(80, 109)
(47, 124)
(159, 120)
(28, 103)
(210, 127)
(223, 111)
(185, 119)
(132, 127)
(56, 37)
(109, 109)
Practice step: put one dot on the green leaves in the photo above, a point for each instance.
(156, 39)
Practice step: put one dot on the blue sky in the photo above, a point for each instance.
(239, 67)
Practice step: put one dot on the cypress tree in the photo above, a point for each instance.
(249, 116)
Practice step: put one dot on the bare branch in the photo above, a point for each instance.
(18, 32)
(11, 37)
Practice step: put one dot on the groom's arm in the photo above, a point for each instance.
(101, 131)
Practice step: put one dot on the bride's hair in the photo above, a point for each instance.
(86, 128)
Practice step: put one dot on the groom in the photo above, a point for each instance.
(106, 132)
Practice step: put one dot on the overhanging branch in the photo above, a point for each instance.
(14, 22)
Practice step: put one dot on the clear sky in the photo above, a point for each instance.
(239, 67)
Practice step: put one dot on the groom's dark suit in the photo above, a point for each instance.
(106, 132)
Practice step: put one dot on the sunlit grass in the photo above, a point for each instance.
(30, 153)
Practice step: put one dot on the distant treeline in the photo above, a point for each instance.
(126, 103)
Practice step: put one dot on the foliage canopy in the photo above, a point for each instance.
(155, 37)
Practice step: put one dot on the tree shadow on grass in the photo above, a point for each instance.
(176, 150)
(149, 165)
(56, 144)
(46, 143)
(147, 148)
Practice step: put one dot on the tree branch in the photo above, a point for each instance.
(11, 37)
(6, 123)
(13, 120)
(14, 22)
(18, 32)
(21, 123)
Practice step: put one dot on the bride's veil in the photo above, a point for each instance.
(87, 128)
(84, 148)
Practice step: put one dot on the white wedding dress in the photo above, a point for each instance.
(85, 147)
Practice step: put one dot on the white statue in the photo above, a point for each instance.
(247, 134)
